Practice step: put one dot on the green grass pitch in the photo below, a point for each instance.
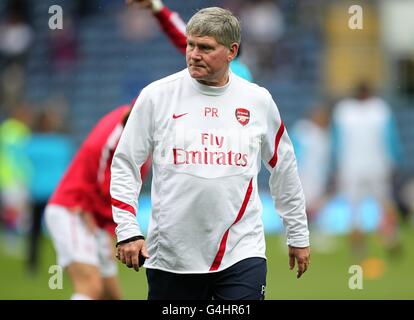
(385, 276)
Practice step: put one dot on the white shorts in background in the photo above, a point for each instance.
(73, 242)
(357, 187)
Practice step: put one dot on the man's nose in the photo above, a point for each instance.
(195, 54)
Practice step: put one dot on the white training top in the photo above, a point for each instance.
(361, 128)
(207, 144)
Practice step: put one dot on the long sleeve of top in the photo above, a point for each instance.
(285, 186)
(207, 144)
(85, 183)
(173, 26)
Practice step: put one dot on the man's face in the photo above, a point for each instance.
(208, 61)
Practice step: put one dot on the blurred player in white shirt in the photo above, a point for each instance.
(366, 151)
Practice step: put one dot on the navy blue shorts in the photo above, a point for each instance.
(245, 280)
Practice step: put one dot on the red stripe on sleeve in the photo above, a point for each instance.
(279, 135)
(171, 29)
(223, 243)
(122, 205)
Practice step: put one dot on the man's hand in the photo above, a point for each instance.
(129, 253)
(302, 256)
(154, 5)
(143, 3)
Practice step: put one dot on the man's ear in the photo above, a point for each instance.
(234, 48)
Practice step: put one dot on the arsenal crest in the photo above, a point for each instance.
(242, 116)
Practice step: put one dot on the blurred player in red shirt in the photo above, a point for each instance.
(79, 216)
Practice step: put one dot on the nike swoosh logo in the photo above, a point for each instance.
(179, 116)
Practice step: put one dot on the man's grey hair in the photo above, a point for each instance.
(215, 22)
